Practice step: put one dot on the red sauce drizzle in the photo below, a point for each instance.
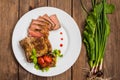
(61, 33)
(61, 45)
(61, 38)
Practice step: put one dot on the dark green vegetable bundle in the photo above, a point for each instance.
(96, 32)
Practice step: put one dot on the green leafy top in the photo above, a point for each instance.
(109, 8)
(97, 28)
(57, 53)
(34, 59)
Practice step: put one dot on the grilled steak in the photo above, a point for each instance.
(36, 30)
(48, 24)
(39, 44)
(56, 21)
(38, 22)
(34, 33)
(37, 39)
(27, 46)
(46, 17)
(41, 26)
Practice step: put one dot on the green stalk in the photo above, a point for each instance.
(93, 3)
(103, 37)
(98, 39)
(101, 63)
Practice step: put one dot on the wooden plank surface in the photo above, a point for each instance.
(8, 18)
(12, 10)
(80, 63)
(112, 55)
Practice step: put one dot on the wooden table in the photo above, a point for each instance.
(12, 10)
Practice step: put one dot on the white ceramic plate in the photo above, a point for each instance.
(71, 40)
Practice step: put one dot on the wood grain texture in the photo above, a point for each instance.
(112, 54)
(79, 15)
(12, 10)
(8, 19)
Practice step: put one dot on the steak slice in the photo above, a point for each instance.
(38, 22)
(46, 17)
(39, 44)
(37, 30)
(56, 21)
(34, 33)
(41, 19)
(34, 27)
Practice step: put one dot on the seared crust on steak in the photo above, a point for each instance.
(41, 45)
(27, 46)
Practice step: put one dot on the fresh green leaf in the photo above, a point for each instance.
(32, 57)
(36, 66)
(61, 55)
(98, 9)
(34, 52)
(35, 60)
(56, 52)
(109, 8)
(45, 69)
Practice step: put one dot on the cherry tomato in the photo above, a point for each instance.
(44, 65)
(47, 59)
(40, 61)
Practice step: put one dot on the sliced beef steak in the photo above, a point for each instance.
(38, 22)
(48, 24)
(56, 21)
(46, 17)
(34, 33)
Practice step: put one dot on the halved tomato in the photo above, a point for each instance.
(47, 59)
(40, 61)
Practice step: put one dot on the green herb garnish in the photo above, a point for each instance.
(57, 53)
(45, 69)
(34, 59)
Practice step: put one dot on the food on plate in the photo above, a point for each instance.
(44, 61)
(47, 18)
(56, 21)
(47, 60)
(42, 25)
(37, 46)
